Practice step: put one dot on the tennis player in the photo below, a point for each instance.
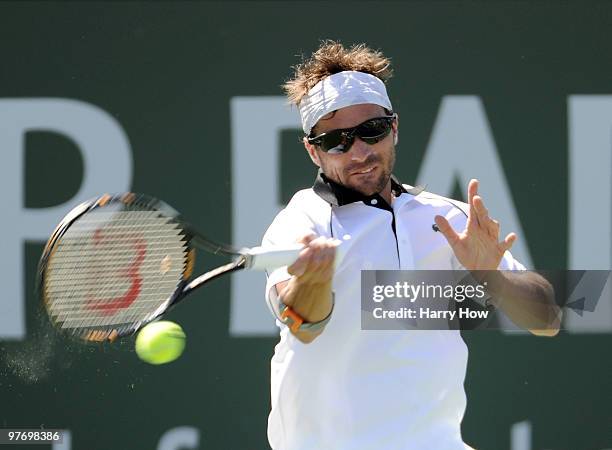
(333, 385)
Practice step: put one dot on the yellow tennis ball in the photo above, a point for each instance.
(160, 342)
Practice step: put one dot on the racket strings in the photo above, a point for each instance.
(114, 267)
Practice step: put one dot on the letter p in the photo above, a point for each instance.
(107, 162)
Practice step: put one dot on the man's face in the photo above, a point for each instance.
(364, 168)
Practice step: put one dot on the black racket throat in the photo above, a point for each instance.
(216, 248)
(196, 283)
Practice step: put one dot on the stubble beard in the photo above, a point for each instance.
(380, 183)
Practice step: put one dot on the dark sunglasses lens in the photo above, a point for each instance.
(374, 130)
(335, 142)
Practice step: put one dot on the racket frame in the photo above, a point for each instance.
(185, 286)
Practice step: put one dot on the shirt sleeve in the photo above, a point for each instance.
(509, 263)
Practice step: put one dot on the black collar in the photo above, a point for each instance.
(337, 195)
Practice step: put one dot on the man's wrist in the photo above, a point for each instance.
(311, 301)
(494, 282)
(477, 279)
(297, 323)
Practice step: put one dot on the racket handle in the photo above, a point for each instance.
(269, 258)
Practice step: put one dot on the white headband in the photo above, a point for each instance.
(340, 90)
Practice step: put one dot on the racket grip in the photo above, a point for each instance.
(269, 258)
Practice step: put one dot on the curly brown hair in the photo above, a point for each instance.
(330, 58)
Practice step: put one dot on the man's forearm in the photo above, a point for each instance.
(308, 293)
(527, 299)
(312, 302)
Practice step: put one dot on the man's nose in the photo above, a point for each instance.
(360, 151)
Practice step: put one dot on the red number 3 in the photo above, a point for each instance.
(109, 306)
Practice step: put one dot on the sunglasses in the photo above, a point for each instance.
(340, 141)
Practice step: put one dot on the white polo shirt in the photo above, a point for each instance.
(361, 389)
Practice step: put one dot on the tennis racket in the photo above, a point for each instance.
(116, 263)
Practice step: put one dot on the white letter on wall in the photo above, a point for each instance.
(66, 441)
(256, 124)
(520, 436)
(590, 200)
(108, 168)
(180, 438)
(462, 147)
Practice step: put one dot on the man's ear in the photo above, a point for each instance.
(312, 152)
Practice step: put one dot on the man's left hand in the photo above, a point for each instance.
(478, 246)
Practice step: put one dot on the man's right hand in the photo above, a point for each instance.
(309, 292)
